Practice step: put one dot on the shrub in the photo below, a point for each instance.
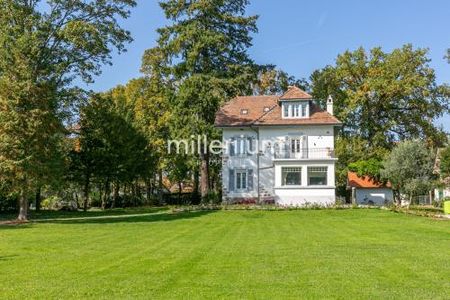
(8, 203)
(57, 203)
(212, 197)
(50, 202)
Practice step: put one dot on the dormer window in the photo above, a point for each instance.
(244, 111)
(266, 109)
(295, 109)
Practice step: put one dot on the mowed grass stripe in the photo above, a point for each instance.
(230, 254)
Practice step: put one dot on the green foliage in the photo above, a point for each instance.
(445, 162)
(409, 167)
(384, 97)
(371, 167)
(45, 46)
(202, 58)
(110, 149)
(381, 98)
(352, 149)
(272, 81)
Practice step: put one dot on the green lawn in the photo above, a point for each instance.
(228, 254)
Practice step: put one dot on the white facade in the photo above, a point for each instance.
(296, 164)
(442, 193)
(374, 196)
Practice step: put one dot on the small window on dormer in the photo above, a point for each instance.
(286, 110)
(244, 111)
(295, 110)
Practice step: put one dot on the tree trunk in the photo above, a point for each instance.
(106, 194)
(133, 192)
(23, 206)
(100, 193)
(160, 187)
(38, 199)
(204, 174)
(180, 188)
(115, 195)
(86, 194)
(148, 186)
(196, 181)
(138, 190)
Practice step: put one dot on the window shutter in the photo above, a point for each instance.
(232, 147)
(250, 179)
(231, 180)
(286, 147)
(305, 146)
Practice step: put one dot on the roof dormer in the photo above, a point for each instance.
(294, 93)
(295, 103)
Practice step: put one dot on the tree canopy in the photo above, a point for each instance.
(204, 52)
(409, 167)
(45, 46)
(384, 97)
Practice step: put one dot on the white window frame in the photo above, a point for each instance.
(298, 146)
(320, 167)
(242, 146)
(295, 110)
(298, 169)
(238, 177)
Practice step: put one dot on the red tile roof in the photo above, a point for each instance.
(294, 92)
(230, 113)
(354, 180)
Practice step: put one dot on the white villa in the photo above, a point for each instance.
(280, 149)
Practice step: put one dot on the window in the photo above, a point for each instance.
(295, 110)
(291, 176)
(304, 107)
(241, 179)
(241, 146)
(244, 111)
(286, 110)
(295, 145)
(317, 175)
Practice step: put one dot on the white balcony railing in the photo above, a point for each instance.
(305, 153)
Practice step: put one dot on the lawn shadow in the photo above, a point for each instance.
(49, 214)
(143, 218)
(4, 226)
(7, 257)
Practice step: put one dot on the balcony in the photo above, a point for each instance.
(305, 153)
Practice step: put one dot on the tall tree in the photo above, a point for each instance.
(383, 97)
(111, 150)
(204, 50)
(45, 46)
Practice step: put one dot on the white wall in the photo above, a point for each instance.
(377, 195)
(324, 196)
(320, 136)
(238, 162)
(445, 193)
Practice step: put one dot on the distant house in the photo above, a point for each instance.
(367, 191)
(280, 149)
(444, 190)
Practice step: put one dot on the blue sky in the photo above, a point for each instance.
(301, 36)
